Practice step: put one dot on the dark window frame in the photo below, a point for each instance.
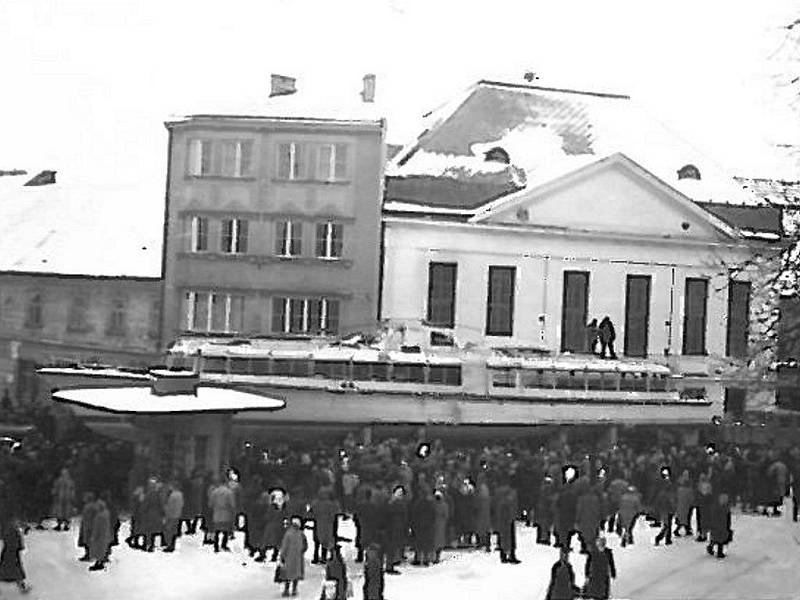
(626, 341)
(450, 321)
(730, 341)
(703, 350)
(491, 305)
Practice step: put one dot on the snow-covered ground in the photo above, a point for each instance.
(762, 564)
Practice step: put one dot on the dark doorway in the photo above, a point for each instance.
(575, 308)
(637, 314)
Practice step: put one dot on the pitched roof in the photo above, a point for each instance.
(74, 228)
(548, 132)
(765, 222)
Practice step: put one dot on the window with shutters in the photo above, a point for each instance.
(305, 315)
(738, 318)
(500, 301)
(212, 312)
(694, 317)
(221, 158)
(289, 238)
(198, 234)
(329, 240)
(442, 294)
(234, 236)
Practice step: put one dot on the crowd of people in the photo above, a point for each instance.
(410, 501)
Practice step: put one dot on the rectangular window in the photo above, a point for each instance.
(34, 318)
(305, 315)
(199, 157)
(77, 320)
(442, 294)
(213, 312)
(500, 301)
(694, 317)
(234, 236)
(574, 310)
(735, 399)
(329, 240)
(199, 234)
(637, 314)
(292, 160)
(738, 318)
(331, 162)
(117, 319)
(236, 158)
(289, 238)
(316, 162)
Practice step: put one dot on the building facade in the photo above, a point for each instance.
(80, 277)
(273, 225)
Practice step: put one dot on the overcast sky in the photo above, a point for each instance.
(87, 84)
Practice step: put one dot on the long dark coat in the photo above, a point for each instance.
(588, 515)
(373, 576)
(325, 511)
(101, 533)
(274, 525)
(504, 518)
(151, 513)
(599, 570)
(566, 505)
(63, 497)
(292, 550)
(423, 518)
(365, 516)
(719, 525)
(10, 562)
(483, 510)
(441, 513)
(87, 520)
(562, 582)
(335, 570)
(396, 527)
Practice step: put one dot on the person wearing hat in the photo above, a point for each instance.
(562, 578)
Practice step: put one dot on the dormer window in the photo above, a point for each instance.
(497, 154)
(688, 172)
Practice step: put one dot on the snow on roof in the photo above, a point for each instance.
(550, 131)
(306, 104)
(77, 228)
(142, 400)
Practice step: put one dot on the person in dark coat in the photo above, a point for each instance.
(562, 578)
(100, 540)
(336, 570)
(719, 526)
(136, 533)
(441, 514)
(684, 503)
(505, 517)
(196, 506)
(254, 512)
(113, 518)
(373, 573)
(607, 336)
(600, 569)
(483, 514)
(544, 514)
(87, 520)
(152, 515)
(11, 569)
(664, 505)
(566, 505)
(396, 529)
(588, 515)
(630, 507)
(292, 560)
(275, 518)
(422, 523)
(325, 511)
(592, 336)
(63, 499)
(705, 503)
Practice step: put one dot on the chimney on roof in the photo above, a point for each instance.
(368, 89)
(43, 178)
(281, 85)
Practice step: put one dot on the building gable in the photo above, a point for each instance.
(612, 195)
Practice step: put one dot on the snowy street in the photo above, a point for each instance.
(761, 564)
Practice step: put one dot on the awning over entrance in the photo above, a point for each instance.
(144, 400)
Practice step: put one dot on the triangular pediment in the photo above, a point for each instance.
(612, 195)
